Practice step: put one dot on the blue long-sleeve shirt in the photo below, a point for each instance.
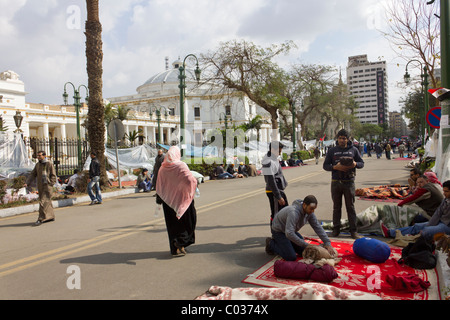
(333, 156)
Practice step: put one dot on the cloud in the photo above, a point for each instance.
(45, 41)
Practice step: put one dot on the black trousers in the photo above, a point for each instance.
(347, 190)
(274, 205)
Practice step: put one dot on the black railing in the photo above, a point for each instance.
(63, 153)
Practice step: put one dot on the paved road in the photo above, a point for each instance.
(121, 250)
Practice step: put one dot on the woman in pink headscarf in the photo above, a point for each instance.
(432, 177)
(175, 190)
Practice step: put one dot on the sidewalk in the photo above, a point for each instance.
(9, 212)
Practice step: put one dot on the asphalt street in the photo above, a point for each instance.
(120, 250)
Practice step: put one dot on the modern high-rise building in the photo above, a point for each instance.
(368, 84)
(397, 124)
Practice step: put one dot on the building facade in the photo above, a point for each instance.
(397, 124)
(206, 107)
(368, 84)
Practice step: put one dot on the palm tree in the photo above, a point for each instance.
(122, 113)
(110, 113)
(254, 123)
(3, 128)
(132, 136)
(94, 60)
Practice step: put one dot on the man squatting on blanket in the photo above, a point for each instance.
(286, 241)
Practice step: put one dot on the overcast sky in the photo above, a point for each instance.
(44, 42)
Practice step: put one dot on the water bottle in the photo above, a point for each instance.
(158, 210)
(197, 193)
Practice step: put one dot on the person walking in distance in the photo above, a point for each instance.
(342, 160)
(45, 176)
(94, 180)
(158, 161)
(317, 154)
(274, 178)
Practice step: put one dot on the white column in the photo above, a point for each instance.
(63, 138)
(154, 135)
(62, 127)
(45, 130)
(46, 137)
(146, 139)
(169, 135)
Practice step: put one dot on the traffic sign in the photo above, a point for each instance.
(116, 130)
(434, 117)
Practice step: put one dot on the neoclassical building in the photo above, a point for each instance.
(206, 107)
(38, 120)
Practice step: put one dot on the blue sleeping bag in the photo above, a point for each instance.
(372, 249)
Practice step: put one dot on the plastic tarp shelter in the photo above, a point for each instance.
(14, 159)
(197, 152)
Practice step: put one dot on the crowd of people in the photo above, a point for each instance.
(405, 148)
(176, 187)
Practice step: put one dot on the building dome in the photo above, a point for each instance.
(171, 75)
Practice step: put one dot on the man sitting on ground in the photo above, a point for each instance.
(439, 222)
(427, 196)
(414, 173)
(220, 173)
(72, 181)
(144, 181)
(286, 241)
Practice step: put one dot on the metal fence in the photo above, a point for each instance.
(63, 153)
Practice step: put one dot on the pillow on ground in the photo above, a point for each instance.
(371, 249)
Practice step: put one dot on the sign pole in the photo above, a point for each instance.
(117, 154)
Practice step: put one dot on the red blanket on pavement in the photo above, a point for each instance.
(356, 273)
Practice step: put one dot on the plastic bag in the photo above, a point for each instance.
(158, 210)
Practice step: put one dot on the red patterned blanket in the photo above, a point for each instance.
(356, 273)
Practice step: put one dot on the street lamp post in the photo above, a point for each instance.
(182, 87)
(293, 125)
(77, 105)
(424, 85)
(225, 119)
(157, 110)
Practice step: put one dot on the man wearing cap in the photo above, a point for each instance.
(275, 181)
(342, 160)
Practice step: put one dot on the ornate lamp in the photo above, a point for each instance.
(18, 121)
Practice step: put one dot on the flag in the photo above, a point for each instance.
(440, 93)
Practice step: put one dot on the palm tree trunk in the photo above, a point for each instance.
(94, 60)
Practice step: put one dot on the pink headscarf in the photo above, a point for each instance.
(432, 177)
(175, 184)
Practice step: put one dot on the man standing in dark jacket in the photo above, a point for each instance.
(94, 180)
(274, 178)
(158, 162)
(342, 161)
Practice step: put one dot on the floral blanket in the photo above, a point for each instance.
(306, 291)
(395, 191)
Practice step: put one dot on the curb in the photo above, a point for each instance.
(9, 212)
